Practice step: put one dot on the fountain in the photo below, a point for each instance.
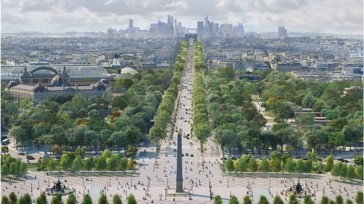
(58, 188)
(299, 191)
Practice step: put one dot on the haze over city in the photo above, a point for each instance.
(58, 16)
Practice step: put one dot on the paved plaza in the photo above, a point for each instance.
(155, 179)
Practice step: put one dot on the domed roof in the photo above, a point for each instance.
(58, 80)
(128, 70)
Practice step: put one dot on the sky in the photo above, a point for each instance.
(58, 16)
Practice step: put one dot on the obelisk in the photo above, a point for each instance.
(179, 181)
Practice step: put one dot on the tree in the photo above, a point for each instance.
(131, 199)
(132, 151)
(358, 160)
(306, 119)
(229, 165)
(89, 163)
(77, 164)
(339, 199)
(308, 101)
(18, 133)
(116, 199)
(329, 163)
(350, 174)
(5, 200)
(217, 200)
(352, 132)
(308, 200)
(65, 162)
(123, 163)
(71, 199)
(359, 197)
(277, 200)
(5, 169)
(112, 163)
(290, 165)
(101, 163)
(13, 198)
(87, 199)
(25, 199)
(300, 166)
(57, 199)
(293, 199)
(343, 170)
(348, 201)
(359, 172)
(264, 165)
(233, 200)
(324, 200)
(225, 137)
(42, 199)
(103, 199)
(253, 165)
(263, 200)
(247, 200)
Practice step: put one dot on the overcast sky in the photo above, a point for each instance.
(326, 16)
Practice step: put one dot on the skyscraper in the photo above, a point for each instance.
(131, 27)
(170, 24)
(241, 30)
(200, 29)
(131, 24)
(282, 32)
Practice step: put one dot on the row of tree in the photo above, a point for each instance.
(42, 199)
(74, 162)
(235, 120)
(201, 125)
(347, 171)
(279, 162)
(292, 200)
(12, 167)
(165, 109)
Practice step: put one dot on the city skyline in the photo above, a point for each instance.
(50, 16)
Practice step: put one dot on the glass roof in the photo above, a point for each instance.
(75, 71)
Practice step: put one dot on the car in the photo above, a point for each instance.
(343, 160)
(174, 155)
(183, 155)
(5, 142)
(224, 158)
(21, 153)
(30, 157)
(191, 155)
(233, 158)
(187, 154)
(174, 150)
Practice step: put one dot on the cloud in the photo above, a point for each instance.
(256, 15)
